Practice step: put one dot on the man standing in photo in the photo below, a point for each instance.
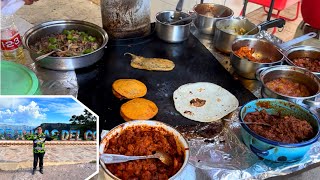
(39, 140)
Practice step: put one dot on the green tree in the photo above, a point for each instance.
(84, 122)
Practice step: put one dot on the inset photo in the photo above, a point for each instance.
(47, 138)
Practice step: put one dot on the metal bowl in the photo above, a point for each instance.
(206, 20)
(65, 63)
(273, 150)
(300, 75)
(263, 49)
(180, 141)
(301, 52)
(172, 33)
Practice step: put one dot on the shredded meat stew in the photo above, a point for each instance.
(288, 87)
(286, 129)
(246, 52)
(308, 63)
(68, 43)
(140, 141)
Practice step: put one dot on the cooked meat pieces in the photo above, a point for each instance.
(197, 102)
(286, 129)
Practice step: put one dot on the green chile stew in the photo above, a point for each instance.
(69, 43)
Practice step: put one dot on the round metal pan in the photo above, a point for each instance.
(226, 31)
(65, 63)
(302, 52)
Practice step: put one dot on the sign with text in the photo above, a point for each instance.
(74, 135)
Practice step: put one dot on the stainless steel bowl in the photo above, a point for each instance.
(65, 63)
(301, 52)
(227, 31)
(172, 33)
(223, 38)
(208, 14)
(300, 75)
(180, 141)
(263, 49)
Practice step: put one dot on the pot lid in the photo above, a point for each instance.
(17, 79)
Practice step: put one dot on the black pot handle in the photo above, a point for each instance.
(179, 5)
(273, 23)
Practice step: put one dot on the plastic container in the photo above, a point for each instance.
(17, 79)
(11, 43)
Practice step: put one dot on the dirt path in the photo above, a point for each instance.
(63, 172)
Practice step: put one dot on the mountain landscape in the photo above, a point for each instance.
(16, 127)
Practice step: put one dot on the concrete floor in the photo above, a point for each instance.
(45, 10)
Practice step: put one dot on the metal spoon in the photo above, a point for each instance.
(46, 55)
(117, 158)
(182, 20)
(250, 30)
(219, 14)
(248, 123)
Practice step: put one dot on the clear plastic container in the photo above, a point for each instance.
(11, 42)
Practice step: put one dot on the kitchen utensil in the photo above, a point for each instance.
(124, 19)
(65, 63)
(17, 79)
(193, 16)
(297, 40)
(262, 49)
(117, 158)
(225, 33)
(172, 33)
(273, 150)
(46, 55)
(302, 52)
(180, 141)
(249, 123)
(300, 75)
(208, 14)
(179, 5)
(250, 31)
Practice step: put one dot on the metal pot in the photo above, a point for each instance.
(208, 14)
(300, 75)
(123, 19)
(65, 63)
(226, 31)
(180, 141)
(247, 68)
(273, 150)
(263, 49)
(172, 33)
(302, 52)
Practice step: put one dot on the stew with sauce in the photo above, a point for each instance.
(248, 53)
(286, 129)
(141, 141)
(308, 63)
(288, 87)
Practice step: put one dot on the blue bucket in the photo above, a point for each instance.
(274, 150)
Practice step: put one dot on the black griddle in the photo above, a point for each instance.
(194, 63)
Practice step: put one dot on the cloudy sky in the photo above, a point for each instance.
(34, 111)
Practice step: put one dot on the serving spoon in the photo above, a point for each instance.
(48, 54)
(117, 158)
(192, 16)
(248, 123)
